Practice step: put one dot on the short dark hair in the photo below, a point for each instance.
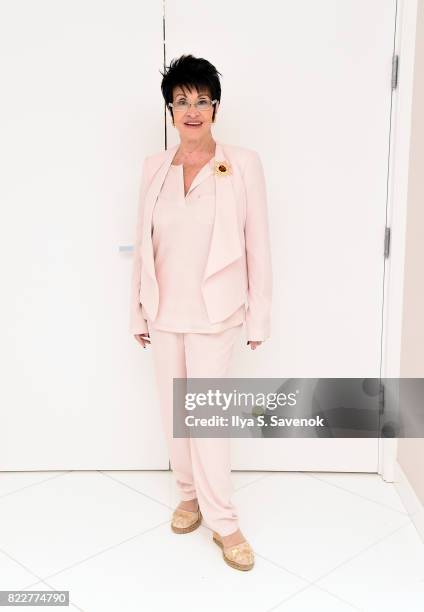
(193, 73)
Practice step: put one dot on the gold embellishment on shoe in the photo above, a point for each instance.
(184, 521)
(239, 556)
(240, 553)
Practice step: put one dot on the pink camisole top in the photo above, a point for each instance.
(182, 230)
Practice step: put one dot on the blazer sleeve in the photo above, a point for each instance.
(258, 251)
(138, 325)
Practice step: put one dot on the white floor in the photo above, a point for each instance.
(323, 542)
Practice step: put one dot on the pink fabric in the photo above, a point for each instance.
(182, 229)
(201, 466)
(238, 268)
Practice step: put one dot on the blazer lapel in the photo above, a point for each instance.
(225, 245)
(225, 242)
(150, 200)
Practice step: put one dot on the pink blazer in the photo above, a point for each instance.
(238, 269)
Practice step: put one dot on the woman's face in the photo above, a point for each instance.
(201, 117)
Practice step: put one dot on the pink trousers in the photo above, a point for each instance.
(201, 466)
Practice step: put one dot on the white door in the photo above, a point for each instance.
(80, 108)
(308, 85)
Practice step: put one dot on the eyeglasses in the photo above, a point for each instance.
(183, 105)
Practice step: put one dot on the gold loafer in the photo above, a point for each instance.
(184, 521)
(239, 556)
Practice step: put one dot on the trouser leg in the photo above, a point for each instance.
(169, 362)
(209, 355)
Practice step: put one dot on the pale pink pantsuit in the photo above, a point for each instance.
(185, 344)
(201, 466)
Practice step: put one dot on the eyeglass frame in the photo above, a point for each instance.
(190, 104)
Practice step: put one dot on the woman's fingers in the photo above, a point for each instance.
(254, 343)
(142, 339)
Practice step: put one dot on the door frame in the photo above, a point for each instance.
(396, 211)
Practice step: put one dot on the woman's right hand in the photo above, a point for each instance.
(143, 339)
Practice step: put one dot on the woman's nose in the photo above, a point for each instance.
(192, 111)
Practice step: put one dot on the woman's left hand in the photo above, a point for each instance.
(254, 343)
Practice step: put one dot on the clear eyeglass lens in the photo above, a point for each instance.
(182, 105)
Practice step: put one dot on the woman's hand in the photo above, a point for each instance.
(143, 339)
(254, 343)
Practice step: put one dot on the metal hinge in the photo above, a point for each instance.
(395, 71)
(386, 242)
(381, 398)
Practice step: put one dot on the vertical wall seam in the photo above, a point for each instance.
(164, 67)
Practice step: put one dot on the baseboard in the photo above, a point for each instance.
(410, 500)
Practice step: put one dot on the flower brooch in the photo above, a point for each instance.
(222, 168)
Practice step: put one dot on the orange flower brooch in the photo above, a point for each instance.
(222, 168)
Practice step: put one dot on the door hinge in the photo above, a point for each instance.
(381, 399)
(386, 242)
(395, 71)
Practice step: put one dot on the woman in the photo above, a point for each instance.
(202, 253)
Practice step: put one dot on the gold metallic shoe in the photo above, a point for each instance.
(184, 521)
(239, 556)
